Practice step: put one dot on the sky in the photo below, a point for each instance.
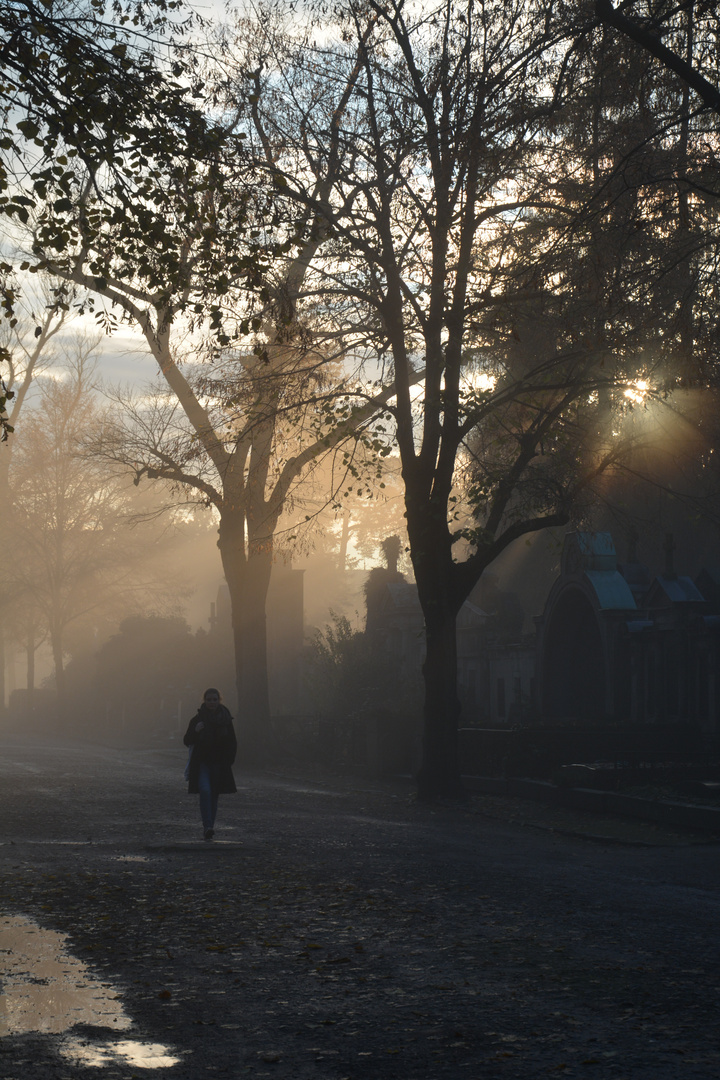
(124, 358)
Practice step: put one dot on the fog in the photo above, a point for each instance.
(96, 564)
(150, 626)
(86, 550)
(179, 577)
(115, 614)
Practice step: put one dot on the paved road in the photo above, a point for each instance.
(335, 932)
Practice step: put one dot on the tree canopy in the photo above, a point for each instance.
(93, 99)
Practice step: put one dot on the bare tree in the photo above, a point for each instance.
(261, 411)
(71, 552)
(27, 342)
(451, 238)
(263, 434)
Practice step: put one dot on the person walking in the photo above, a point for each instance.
(211, 738)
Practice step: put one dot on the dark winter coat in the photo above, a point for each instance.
(214, 745)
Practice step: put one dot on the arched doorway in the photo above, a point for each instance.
(573, 664)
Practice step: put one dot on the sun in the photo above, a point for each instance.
(638, 391)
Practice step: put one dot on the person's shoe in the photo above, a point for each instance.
(209, 833)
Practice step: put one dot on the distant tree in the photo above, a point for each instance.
(28, 348)
(71, 552)
(346, 530)
(366, 522)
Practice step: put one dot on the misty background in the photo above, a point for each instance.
(123, 645)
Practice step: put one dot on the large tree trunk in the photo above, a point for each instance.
(253, 618)
(439, 775)
(248, 579)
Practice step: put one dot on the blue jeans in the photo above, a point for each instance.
(208, 800)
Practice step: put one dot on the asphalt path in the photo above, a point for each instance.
(335, 930)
